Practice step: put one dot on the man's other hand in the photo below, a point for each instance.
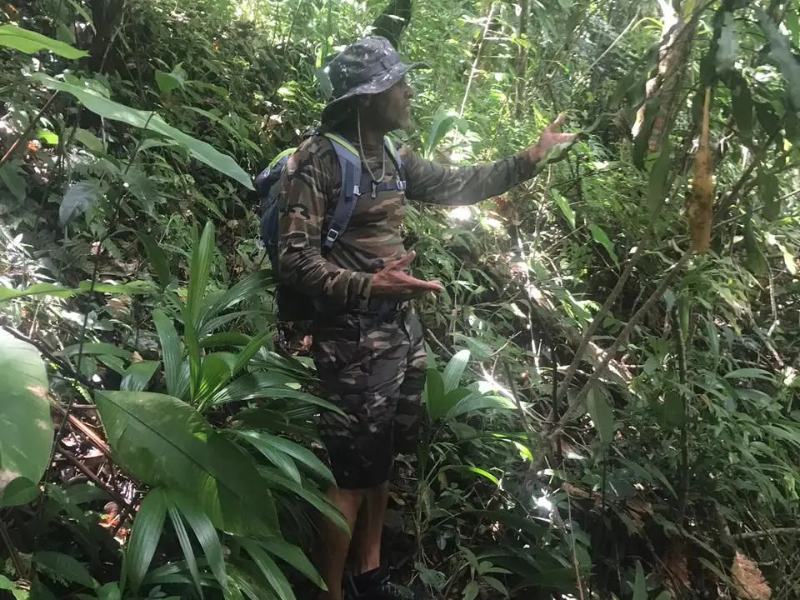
(549, 139)
(393, 282)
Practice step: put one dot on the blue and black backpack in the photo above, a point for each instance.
(293, 304)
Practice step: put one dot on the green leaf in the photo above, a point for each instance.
(302, 455)
(48, 136)
(94, 349)
(31, 42)
(454, 370)
(246, 288)
(750, 373)
(640, 584)
(742, 106)
(170, 350)
(562, 203)
(171, 81)
(272, 454)
(91, 141)
(659, 180)
(434, 395)
(600, 237)
(164, 442)
(602, 414)
(138, 375)
(755, 261)
(471, 591)
(27, 431)
(7, 584)
(202, 254)
(294, 556)
(225, 338)
(468, 469)
(145, 533)
(781, 53)
(64, 567)
(236, 392)
(157, 258)
(443, 123)
(78, 198)
(314, 498)
(13, 177)
(151, 121)
(37, 289)
(205, 533)
(476, 401)
(727, 44)
(186, 546)
(267, 566)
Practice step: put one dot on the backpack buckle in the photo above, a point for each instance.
(401, 185)
(332, 236)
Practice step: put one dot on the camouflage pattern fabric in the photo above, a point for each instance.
(342, 280)
(369, 66)
(373, 369)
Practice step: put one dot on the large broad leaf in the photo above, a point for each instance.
(64, 567)
(164, 442)
(31, 42)
(781, 53)
(727, 44)
(27, 431)
(13, 177)
(79, 198)
(99, 104)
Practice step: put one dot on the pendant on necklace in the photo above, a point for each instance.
(374, 189)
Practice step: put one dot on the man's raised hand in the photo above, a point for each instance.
(549, 139)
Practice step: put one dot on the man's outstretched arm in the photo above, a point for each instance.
(437, 184)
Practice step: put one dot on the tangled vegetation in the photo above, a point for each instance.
(612, 391)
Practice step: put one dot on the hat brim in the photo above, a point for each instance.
(376, 85)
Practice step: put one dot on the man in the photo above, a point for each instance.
(367, 340)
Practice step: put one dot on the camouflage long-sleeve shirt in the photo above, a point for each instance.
(342, 279)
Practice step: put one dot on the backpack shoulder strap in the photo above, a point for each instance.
(350, 165)
(398, 162)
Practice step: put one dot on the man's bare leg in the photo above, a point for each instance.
(370, 528)
(335, 542)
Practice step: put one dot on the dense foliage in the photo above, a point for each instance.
(612, 396)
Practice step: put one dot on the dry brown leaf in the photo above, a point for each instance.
(748, 577)
(701, 201)
(575, 492)
(677, 569)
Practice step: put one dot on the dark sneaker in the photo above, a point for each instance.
(372, 585)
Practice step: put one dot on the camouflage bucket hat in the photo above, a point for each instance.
(369, 66)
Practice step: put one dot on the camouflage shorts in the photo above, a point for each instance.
(374, 371)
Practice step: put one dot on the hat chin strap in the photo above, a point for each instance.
(363, 154)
